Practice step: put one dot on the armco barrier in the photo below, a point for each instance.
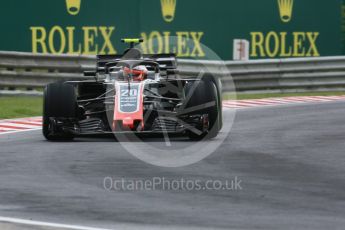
(26, 70)
(276, 75)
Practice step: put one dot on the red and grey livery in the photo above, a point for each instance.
(128, 107)
(133, 93)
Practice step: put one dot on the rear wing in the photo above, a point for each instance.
(165, 61)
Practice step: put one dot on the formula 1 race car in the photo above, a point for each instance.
(133, 94)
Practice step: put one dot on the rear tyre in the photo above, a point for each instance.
(201, 94)
(59, 101)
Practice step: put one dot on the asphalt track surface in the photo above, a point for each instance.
(291, 160)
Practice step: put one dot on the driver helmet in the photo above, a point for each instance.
(138, 73)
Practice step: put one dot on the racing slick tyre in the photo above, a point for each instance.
(203, 94)
(59, 102)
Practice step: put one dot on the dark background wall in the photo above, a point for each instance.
(275, 28)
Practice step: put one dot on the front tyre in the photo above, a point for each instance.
(59, 101)
(204, 94)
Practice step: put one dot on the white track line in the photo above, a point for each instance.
(124, 226)
(46, 224)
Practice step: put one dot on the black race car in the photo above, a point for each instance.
(133, 93)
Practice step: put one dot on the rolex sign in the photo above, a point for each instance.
(268, 28)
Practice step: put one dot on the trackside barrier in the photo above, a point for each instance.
(26, 70)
